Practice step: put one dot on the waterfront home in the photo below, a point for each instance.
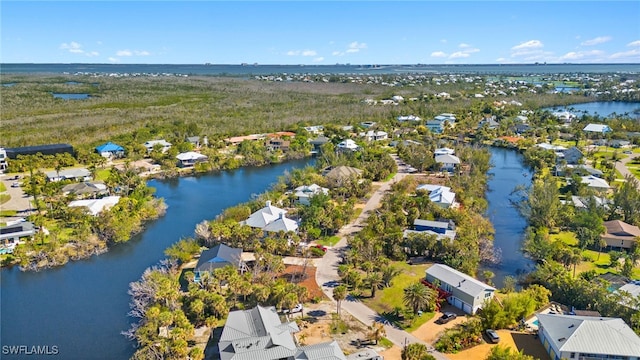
(259, 334)
(368, 124)
(463, 291)
(439, 227)
(275, 144)
(403, 118)
(374, 135)
(447, 162)
(218, 257)
(161, 144)
(439, 195)
(619, 234)
(597, 128)
(564, 116)
(190, 158)
(582, 203)
(444, 151)
(631, 288)
(587, 337)
(339, 174)
(489, 122)
(95, 206)
(198, 141)
(306, 192)
(235, 140)
(78, 174)
(317, 143)
(271, 218)
(580, 169)
(595, 183)
(110, 150)
(520, 129)
(347, 145)
(85, 189)
(13, 233)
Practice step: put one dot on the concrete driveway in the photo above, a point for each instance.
(19, 201)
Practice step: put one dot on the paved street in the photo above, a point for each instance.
(327, 271)
(621, 165)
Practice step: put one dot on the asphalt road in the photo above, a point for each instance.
(621, 165)
(327, 271)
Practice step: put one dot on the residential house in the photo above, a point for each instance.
(95, 206)
(435, 127)
(564, 116)
(317, 143)
(190, 158)
(631, 288)
(404, 143)
(441, 229)
(78, 174)
(374, 135)
(489, 122)
(315, 130)
(572, 155)
(447, 162)
(275, 144)
(3, 159)
(340, 174)
(439, 195)
(403, 118)
(259, 334)
(618, 144)
(85, 189)
(521, 129)
(368, 124)
(595, 183)
(619, 234)
(587, 337)
(218, 257)
(163, 145)
(597, 128)
(580, 169)
(110, 150)
(463, 291)
(12, 233)
(582, 203)
(198, 141)
(235, 140)
(347, 145)
(271, 218)
(443, 151)
(306, 192)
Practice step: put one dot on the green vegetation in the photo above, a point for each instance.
(505, 353)
(462, 336)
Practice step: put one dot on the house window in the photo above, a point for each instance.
(573, 355)
(486, 295)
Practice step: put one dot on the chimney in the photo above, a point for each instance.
(281, 215)
(268, 203)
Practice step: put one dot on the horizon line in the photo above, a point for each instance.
(336, 64)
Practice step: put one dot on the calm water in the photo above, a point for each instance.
(238, 70)
(508, 171)
(71, 96)
(602, 108)
(82, 307)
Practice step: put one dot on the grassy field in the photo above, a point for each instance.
(388, 299)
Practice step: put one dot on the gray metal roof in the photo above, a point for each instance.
(69, 173)
(219, 256)
(328, 350)
(593, 335)
(459, 280)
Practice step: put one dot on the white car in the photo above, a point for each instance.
(296, 309)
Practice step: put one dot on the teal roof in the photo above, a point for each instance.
(109, 147)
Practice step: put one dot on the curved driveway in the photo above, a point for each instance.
(621, 165)
(327, 272)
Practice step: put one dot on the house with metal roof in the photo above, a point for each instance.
(304, 193)
(595, 183)
(258, 334)
(218, 257)
(162, 144)
(587, 337)
(95, 206)
(448, 162)
(85, 189)
(597, 128)
(110, 150)
(463, 291)
(271, 218)
(439, 195)
(81, 174)
(190, 158)
(11, 234)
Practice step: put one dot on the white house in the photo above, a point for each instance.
(95, 206)
(190, 158)
(448, 162)
(164, 146)
(564, 116)
(271, 218)
(374, 135)
(78, 174)
(444, 151)
(464, 292)
(597, 128)
(347, 145)
(403, 118)
(587, 337)
(306, 192)
(440, 195)
(595, 182)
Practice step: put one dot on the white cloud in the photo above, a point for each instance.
(72, 47)
(463, 45)
(591, 55)
(634, 43)
(337, 53)
(438, 54)
(501, 59)
(596, 41)
(113, 59)
(318, 59)
(124, 53)
(444, 41)
(633, 54)
(531, 44)
(93, 53)
(309, 53)
(355, 47)
(459, 54)
(302, 53)
(141, 53)
(128, 52)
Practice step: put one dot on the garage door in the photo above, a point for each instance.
(467, 308)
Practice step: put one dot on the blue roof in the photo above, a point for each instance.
(109, 147)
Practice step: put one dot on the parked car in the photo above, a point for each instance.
(321, 247)
(446, 317)
(296, 309)
(493, 336)
(15, 184)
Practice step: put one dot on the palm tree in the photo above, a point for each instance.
(377, 332)
(375, 281)
(419, 297)
(339, 294)
(415, 351)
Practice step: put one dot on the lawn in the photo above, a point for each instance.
(388, 299)
(4, 198)
(102, 174)
(329, 240)
(2, 187)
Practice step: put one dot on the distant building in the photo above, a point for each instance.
(110, 150)
(306, 192)
(347, 145)
(619, 234)
(51, 149)
(218, 257)
(597, 128)
(190, 158)
(3, 159)
(79, 174)
(162, 144)
(96, 206)
(10, 235)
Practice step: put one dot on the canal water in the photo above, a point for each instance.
(508, 171)
(81, 308)
(602, 108)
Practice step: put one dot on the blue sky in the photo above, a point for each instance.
(325, 32)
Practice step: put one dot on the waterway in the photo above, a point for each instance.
(81, 308)
(508, 171)
(602, 108)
